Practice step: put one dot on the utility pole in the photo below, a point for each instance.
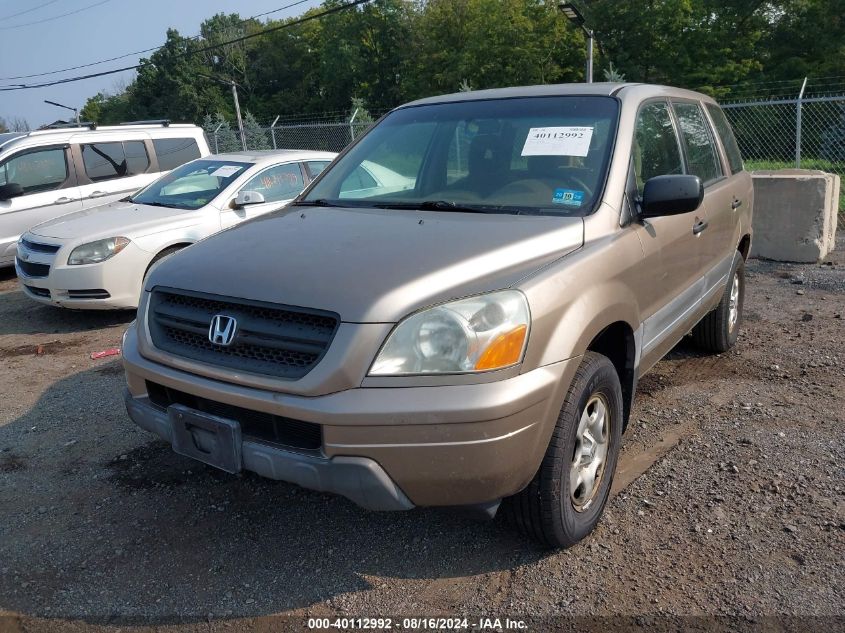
(238, 114)
(234, 85)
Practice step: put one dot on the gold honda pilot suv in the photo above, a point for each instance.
(457, 310)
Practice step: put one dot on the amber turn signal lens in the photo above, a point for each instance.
(504, 350)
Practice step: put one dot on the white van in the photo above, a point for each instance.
(48, 173)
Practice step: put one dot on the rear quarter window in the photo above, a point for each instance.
(726, 135)
(173, 152)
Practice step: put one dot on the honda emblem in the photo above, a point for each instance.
(222, 330)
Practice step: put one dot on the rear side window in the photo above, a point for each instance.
(172, 152)
(726, 134)
(358, 181)
(107, 161)
(136, 156)
(701, 151)
(316, 167)
(656, 148)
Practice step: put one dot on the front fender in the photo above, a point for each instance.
(579, 296)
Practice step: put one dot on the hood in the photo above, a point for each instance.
(109, 220)
(369, 265)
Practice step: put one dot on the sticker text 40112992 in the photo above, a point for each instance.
(558, 141)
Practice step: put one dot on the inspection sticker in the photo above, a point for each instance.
(558, 141)
(226, 170)
(569, 197)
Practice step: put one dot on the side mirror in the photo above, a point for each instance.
(10, 190)
(671, 195)
(245, 198)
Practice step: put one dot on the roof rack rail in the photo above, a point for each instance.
(91, 125)
(162, 122)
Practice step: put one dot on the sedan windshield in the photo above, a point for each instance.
(191, 186)
(522, 155)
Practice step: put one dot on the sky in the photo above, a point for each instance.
(112, 28)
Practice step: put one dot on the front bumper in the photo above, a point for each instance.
(387, 448)
(119, 277)
(360, 479)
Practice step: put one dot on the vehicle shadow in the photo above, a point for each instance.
(42, 318)
(102, 522)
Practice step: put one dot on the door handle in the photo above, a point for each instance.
(63, 200)
(698, 227)
(98, 194)
(736, 204)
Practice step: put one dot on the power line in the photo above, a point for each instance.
(243, 38)
(141, 52)
(55, 17)
(40, 6)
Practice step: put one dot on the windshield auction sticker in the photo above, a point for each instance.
(226, 170)
(558, 141)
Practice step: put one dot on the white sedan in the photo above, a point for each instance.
(98, 258)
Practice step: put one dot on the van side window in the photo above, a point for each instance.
(41, 170)
(726, 134)
(656, 150)
(701, 151)
(173, 152)
(281, 182)
(136, 157)
(107, 161)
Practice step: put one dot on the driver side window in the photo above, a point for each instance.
(278, 183)
(656, 149)
(41, 170)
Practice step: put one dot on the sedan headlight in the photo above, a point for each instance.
(96, 252)
(471, 335)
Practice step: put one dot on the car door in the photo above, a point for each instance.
(278, 185)
(49, 190)
(671, 276)
(110, 170)
(703, 159)
(733, 197)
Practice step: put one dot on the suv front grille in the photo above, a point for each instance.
(281, 341)
(31, 269)
(273, 429)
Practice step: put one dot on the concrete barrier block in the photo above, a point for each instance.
(795, 214)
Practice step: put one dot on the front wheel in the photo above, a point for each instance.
(564, 501)
(719, 329)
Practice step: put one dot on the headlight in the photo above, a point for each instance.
(471, 335)
(96, 252)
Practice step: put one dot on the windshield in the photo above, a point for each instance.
(192, 185)
(523, 155)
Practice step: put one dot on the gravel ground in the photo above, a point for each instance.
(730, 500)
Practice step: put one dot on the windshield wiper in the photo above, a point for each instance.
(445, 205)
(319, 202)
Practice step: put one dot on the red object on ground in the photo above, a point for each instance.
(112, 351)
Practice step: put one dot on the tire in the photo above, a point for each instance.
(167, 252)
(718, 330)
(547, 510)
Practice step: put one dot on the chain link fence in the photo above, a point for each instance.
(329, 136)
(804, 133)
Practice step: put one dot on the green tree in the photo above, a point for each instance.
(174, 84)
(221, 137)
(256, 136)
